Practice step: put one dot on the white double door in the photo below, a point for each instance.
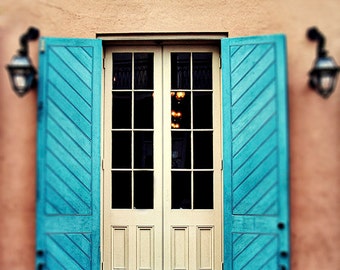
(161, 184)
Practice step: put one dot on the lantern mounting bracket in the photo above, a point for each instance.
(31, 34)
(323, 75)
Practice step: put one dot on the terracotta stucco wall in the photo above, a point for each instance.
(314, 122)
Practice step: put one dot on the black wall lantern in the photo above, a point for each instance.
(323, 75)
(21, 71)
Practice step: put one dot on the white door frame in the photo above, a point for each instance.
(209, 38)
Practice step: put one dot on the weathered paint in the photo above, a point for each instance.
(255, 153)
(68, 193)
(314, 122)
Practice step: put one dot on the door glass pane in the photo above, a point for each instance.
(180, 110)
(143, 110)
(203, 151)
(203, 190)
(180, 70)
(122, 71)
(181, 149)
(181, 190)
(143, 190)
(143, 149)
(121, 190)
(143, 71)
(121, 149)
(202, 70)
(121, 109)
(202, 110)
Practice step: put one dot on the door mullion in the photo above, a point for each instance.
(164, 101)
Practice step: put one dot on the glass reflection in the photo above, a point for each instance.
(180, 110)
(143, 149)
(122, 71)
(180, 70)
(181, 148)
(202, 70)
(143, 71)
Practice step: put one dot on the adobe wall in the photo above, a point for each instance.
(314, 122)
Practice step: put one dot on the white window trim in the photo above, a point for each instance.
(161, 38)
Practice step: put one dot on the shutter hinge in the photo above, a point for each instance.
(102, 164)
(42, 45)
(222, 165)
(220, 62)
(102, 266)
(103, 63)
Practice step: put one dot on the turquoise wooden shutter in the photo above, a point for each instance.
(68, 188)
(255, 153)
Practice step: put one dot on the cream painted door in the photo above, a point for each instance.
(162, 201)
(192, 159)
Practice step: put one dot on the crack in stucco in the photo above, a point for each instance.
(56, 7)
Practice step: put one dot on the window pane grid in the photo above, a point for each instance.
(203, 131)
(136, 78)
(202, 71)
